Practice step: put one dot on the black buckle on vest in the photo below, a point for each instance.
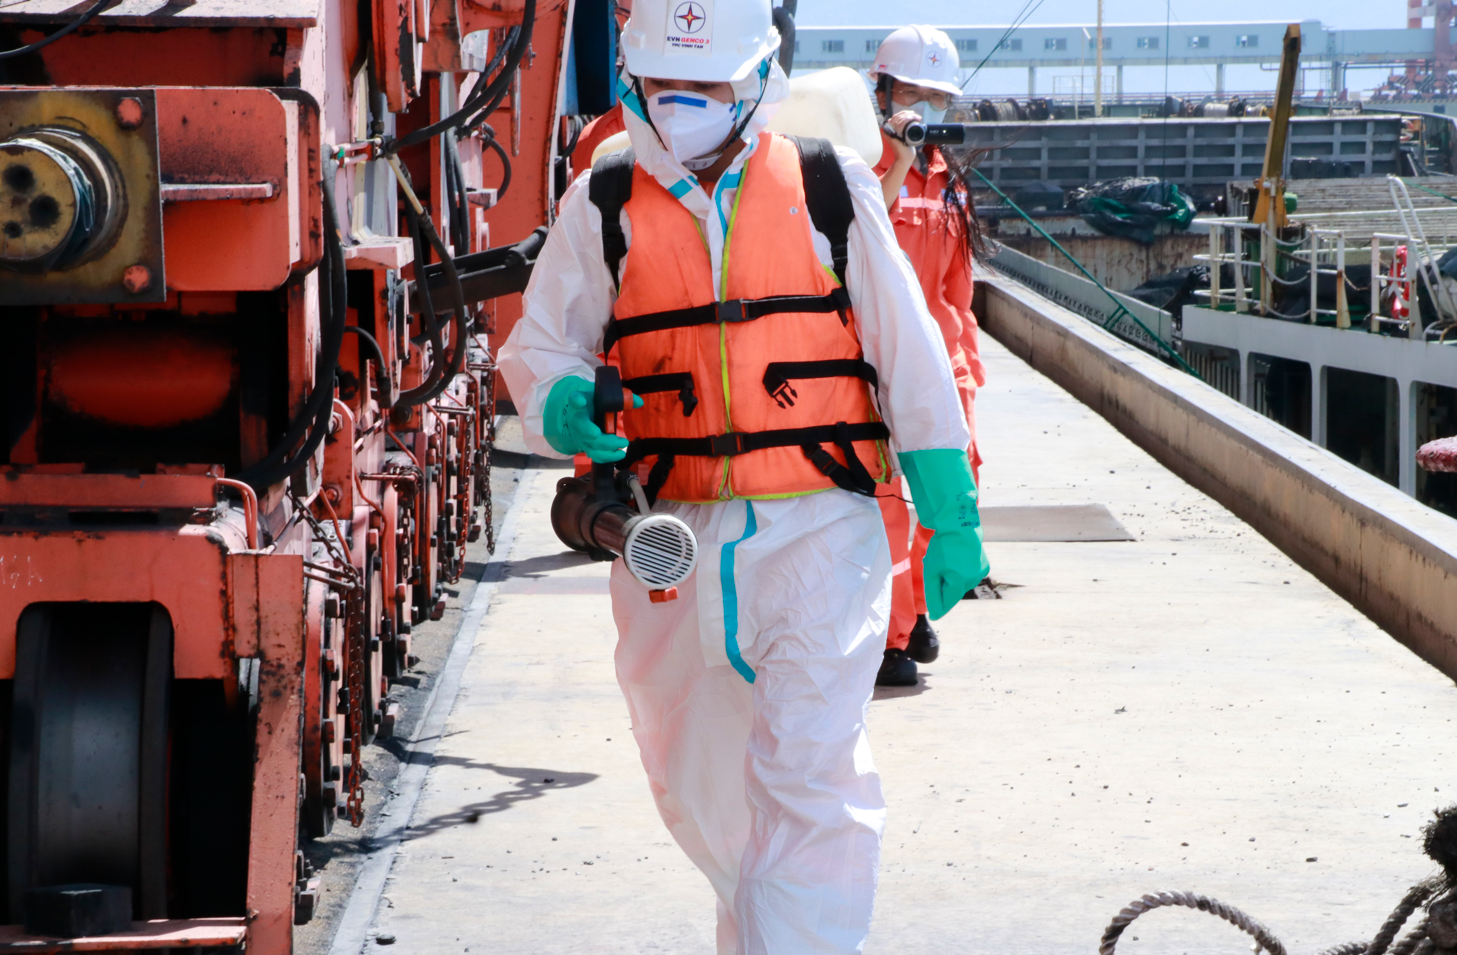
(727, 445)
(730, 311)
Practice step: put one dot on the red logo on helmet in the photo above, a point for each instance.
(690, 17)
(935, 60)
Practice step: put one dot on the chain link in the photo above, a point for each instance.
(354, 685)
(488, 409)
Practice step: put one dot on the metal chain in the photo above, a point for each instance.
(353, 652)
(1263, 937)
(488, 382)
(354, 686)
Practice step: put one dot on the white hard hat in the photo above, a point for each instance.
(921, 55)
(711, 41)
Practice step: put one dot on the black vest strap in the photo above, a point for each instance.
(826, 194)
(742, 442)
(719, 313)
(851, 476)
(658, 476)
(828, 197)
(780, 373)
(679, 381)
(609, 189)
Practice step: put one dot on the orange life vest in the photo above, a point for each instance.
(763, 391)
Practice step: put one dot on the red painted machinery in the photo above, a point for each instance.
(246, 427)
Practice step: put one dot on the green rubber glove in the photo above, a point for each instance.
(945, 497)
(568, 426)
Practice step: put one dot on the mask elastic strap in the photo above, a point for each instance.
(646, 113)
(739, 130)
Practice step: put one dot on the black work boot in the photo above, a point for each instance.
(924, 646)
(898, 669)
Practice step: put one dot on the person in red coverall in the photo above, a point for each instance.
(935, 223)
(608, 124)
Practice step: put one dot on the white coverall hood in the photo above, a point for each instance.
(767, 85)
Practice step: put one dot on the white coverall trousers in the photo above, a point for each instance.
(768, 785)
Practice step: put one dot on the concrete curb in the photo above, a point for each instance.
(1394, 559)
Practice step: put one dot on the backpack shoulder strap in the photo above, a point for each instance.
(609, 189)
(828, 196)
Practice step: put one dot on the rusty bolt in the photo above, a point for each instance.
(137, 279)
(332, 492)
(129, 113)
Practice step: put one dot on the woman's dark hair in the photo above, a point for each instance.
(957, 200)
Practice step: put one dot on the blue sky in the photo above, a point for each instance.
(1342, 14)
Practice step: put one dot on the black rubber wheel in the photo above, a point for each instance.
(212, 800)
(89, 750)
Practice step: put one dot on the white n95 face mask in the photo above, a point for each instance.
(928, 112)
(692, 126)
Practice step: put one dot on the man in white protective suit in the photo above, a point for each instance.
(752, 290)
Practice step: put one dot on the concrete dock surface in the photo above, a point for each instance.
(1184, 710)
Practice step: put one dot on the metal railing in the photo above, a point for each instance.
(1258, 262)
(1252, 269)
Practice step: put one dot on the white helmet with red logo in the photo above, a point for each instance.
(710, 41)
(921, 55)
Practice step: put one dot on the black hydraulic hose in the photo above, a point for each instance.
(494, 92)
(500, 54)
(571, 144)
(505, 167)
(460, 199)
(312, 424)
(491, 96)
(100, 6)
(376, 354)
(430, 322)
(429, 391)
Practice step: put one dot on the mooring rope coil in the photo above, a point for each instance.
(1262, 935)
(1349, 948)
(1416, 941)
(1409, 903)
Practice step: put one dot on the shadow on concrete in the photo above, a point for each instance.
(531, 783)
(544, 564)
(899, 692)
(501, 458)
